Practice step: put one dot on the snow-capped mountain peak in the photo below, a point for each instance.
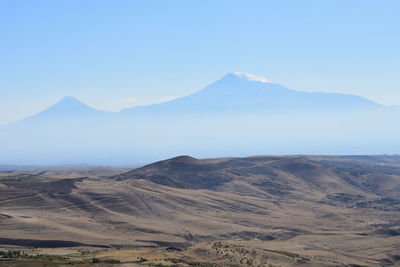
(251, 77)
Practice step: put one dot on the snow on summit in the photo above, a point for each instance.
(251, 77)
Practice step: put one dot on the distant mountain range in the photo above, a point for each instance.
(241, 114)
(235, 93)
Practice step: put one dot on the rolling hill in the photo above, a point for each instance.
(321, 210)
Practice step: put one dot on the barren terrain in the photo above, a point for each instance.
(256, 211)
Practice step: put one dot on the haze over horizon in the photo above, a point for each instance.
(113, 56)
(238, 115)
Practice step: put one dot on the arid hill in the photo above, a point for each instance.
(287, 210)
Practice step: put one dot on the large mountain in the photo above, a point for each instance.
(240, 114)
(243, 93)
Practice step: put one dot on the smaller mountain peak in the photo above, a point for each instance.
(250, 77)
(70, 103)
(69, 99)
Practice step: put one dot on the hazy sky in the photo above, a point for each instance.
(114, 54)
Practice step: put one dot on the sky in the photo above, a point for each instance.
(115, 54)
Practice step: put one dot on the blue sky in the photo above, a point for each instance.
(114, 54)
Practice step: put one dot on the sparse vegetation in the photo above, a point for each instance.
(245, 222)
(12, 254)
(111, 261)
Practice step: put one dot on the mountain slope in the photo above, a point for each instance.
(66, 109)
(242, 93)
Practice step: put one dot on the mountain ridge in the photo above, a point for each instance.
(232, 92)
